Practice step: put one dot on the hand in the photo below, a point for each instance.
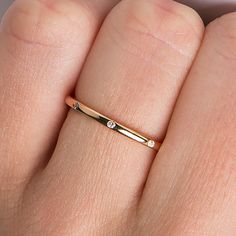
(151, 66)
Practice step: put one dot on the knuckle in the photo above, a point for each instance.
(47, 23)
(175, 25)
(223, 32)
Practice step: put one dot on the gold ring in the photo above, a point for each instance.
(111, 124)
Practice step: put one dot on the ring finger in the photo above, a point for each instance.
(133, 74)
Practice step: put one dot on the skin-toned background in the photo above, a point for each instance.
(208, 9)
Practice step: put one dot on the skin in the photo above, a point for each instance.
(211, 9)
(150, 64)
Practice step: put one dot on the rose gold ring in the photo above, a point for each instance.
(111, 124)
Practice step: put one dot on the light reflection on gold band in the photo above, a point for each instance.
(78, 106)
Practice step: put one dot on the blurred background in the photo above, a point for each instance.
(208, 9)
(4, 4)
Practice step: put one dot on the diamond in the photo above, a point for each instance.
(111, 124)
(151, 143)
(76, 106)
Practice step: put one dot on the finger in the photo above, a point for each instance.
(192, 181)
(43, 44)
(133, 74)
(210, 10)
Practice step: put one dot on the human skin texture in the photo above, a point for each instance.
(211, 9)
(208, 9)
(148, 64)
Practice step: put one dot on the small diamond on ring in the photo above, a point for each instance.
(151, 143)
(111, 124)
(76, 106)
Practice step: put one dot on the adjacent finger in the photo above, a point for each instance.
(43, 44)
(191, 186)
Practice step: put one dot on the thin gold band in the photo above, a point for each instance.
(78, 106)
